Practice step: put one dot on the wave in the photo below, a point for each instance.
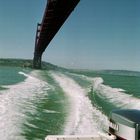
(83, 118)
(15, 101)
(116, 96)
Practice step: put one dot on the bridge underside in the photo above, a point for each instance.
(56, 12)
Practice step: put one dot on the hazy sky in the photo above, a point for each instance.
(99, 34)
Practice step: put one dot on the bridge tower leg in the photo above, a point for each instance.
(37, 55)
(37, 60)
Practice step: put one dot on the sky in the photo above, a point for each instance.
(99, 34)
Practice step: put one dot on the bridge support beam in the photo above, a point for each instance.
(54, 17)
(37, 55)
(37, 60)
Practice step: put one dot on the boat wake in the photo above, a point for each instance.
(116, 96)
(83, 118)
(14, 102)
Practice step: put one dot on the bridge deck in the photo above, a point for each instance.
(56, 12)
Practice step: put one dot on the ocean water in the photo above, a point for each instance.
(34, 103)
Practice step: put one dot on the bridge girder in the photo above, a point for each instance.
(56, 13)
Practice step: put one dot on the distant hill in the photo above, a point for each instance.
(27, 63)
(16, 62)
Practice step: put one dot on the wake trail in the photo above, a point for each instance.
(83, 118)
(116, 96)
(14, 102)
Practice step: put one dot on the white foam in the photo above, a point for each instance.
(11, 102)
(22, 73)
(84, 119)
(116, 96)
(51, 111)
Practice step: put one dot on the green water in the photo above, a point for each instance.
(9, 75)
(46, 123)
(46, 114)
(131, 84)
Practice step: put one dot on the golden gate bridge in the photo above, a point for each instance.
(56, 13)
